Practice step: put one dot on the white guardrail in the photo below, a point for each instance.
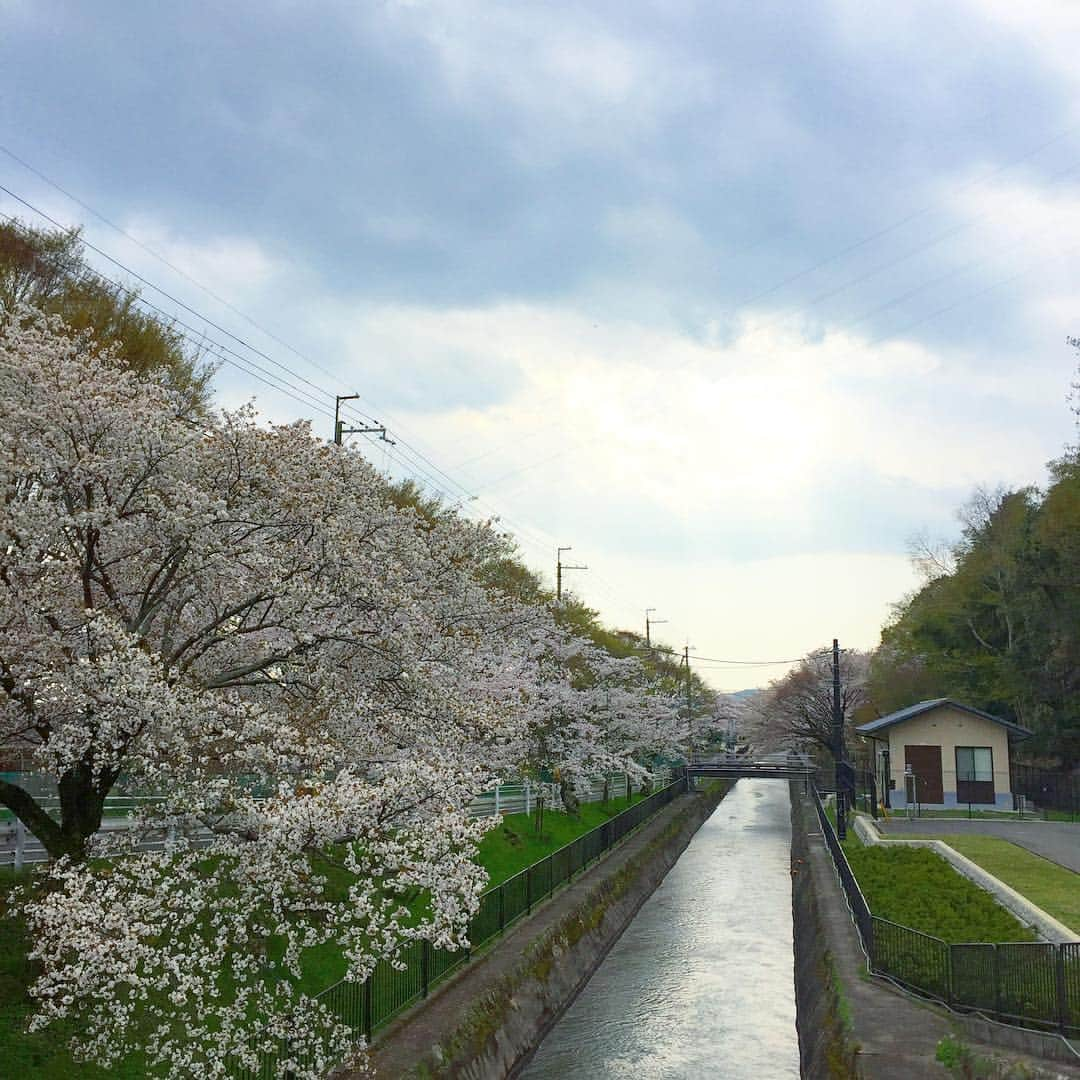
(20, 847)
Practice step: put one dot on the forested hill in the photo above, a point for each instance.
(997, 623)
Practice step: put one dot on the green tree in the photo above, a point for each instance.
(46, 269)
(997, 623)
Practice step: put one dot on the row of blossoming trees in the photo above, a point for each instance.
(244, 620)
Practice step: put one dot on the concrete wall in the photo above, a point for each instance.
(948, 728)
(484, 1023)
(827, 1049)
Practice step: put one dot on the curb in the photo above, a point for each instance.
(1044, 924)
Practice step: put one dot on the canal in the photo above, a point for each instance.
(701, 984)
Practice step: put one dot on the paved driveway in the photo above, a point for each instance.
(1057, 840)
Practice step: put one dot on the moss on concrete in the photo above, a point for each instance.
(567, 953)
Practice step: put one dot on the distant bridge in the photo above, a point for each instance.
(778, 767)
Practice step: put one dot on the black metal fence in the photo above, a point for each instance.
(393, 987)
(866, 794)
(1033, 984)
(859, 907)
(1048, 790)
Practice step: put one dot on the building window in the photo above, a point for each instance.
(974, 774)
(974, 763)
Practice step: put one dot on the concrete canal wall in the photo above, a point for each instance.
(826, 1046)
(483, 1024)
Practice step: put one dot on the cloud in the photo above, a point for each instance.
(568, 78)
(699, 290)
(641, 435)
(238, 267)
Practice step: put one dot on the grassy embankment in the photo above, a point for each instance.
(917, 888)
(506, 850)
(1054, 888)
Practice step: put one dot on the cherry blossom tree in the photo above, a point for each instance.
(314, 680)
(313, 676)
(598, 714)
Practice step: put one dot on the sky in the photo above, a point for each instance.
(732, 299)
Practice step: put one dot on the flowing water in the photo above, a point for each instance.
(701, 984)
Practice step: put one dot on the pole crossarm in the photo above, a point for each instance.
(340, 430)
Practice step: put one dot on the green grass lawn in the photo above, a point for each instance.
(918, 888)
(1054, 888)
(506, 850)
(510, 848)
(44, 1054)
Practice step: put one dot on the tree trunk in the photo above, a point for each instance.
(570, 801)
(82, 801)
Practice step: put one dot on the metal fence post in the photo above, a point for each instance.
(369, 986)
(1062, 999)
(997, 983)
(425, 966)
(528, 808)
(496, 800)
(20, 843)
(502, 907)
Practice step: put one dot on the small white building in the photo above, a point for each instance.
(943, 754)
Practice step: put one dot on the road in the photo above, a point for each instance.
(1057, 840)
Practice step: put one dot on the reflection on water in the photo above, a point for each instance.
(702, 982)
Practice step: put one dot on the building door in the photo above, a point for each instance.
(925, 762)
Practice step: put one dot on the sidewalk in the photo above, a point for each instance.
(898, 1034)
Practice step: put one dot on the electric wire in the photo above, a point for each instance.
(408, 456)
(929, 208)
(169, 296)
(866, 275)
(202, 342)
(368, 419)
(165, 262)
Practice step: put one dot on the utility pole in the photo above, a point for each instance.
(689, 705)
(341, 430)
(844, 774)
(649, 625)
(560, 566)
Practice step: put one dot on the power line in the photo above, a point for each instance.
(165, 262)
(929, 208)
(203, 343)
(209, 322)
(828, 294)
(749, 663)
(168, 296)
(209, 292)
(413, 461)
